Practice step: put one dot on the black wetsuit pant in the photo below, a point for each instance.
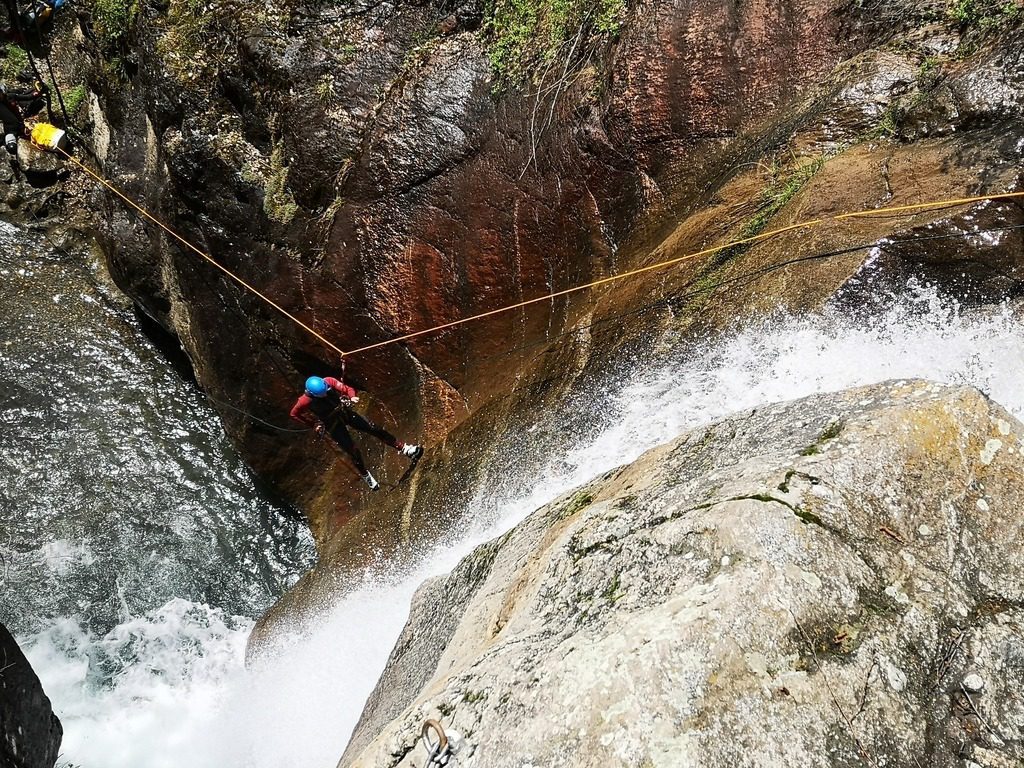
(12, 122)
(346, 417)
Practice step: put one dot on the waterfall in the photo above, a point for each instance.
(179, 694)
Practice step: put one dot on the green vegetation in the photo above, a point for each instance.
(75, 98)
(985, 14)
(327, 217)
(113, 20)
(929, 73)
(188, 28)
(278, 203)
(888, 124)
(471, 697)
(15, 62)
(613, 592)
(325, 89)
(578, 502)
(526, 36)
(808, 517)
(830, 433)
(774, 198)
(782, 187)
(929, 76)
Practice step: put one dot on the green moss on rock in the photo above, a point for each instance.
(525, 36)
(183, 46)
(15, 62)
(113, 20)
(278, 203)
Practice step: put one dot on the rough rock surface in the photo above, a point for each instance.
(366, 165)
(30, 733)
(835, 581)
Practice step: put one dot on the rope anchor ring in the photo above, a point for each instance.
(439, 751)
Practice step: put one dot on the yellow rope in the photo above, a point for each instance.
(680, 259)
(546, 297)
(200, 252)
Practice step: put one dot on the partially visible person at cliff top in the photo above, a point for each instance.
(15, 106)
(30, 26)
(326, 406)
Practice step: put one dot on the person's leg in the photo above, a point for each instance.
(344, 440)
(13, 128)
(356, 421)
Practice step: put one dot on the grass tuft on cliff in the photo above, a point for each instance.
(985, 14)
(278, 202)
(113, 20)
(527, 36)
(75, 98)
(782, 189)
(15, 62)
(784, 184)
(183, 47)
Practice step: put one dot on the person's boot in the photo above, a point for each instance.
(412, 451)
(370, 481)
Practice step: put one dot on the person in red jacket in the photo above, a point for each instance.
(326, 405)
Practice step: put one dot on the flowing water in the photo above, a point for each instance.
(165, 686)
(134, 546)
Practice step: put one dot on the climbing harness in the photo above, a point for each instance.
(440, 752)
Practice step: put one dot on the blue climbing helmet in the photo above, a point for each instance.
(316, 387)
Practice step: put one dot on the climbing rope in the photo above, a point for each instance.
(248, 415)
(680, 295)
(56, 89)
(198, 251)
(680, 260)
(866, 213)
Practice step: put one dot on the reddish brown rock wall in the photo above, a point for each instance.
(372, 176)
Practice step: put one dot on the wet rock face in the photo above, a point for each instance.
(832, 581)
(961, 96)
(30, 733)
(945, 253)
(370, 171)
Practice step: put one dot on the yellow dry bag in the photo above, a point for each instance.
(49, 137)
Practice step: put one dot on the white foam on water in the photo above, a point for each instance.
(183, 697)
(140, 694)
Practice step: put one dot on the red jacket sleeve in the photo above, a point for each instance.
(341, 388)
(301, 412)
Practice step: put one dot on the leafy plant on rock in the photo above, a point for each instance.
(985, 14)
(113, 20)
(526, 36)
